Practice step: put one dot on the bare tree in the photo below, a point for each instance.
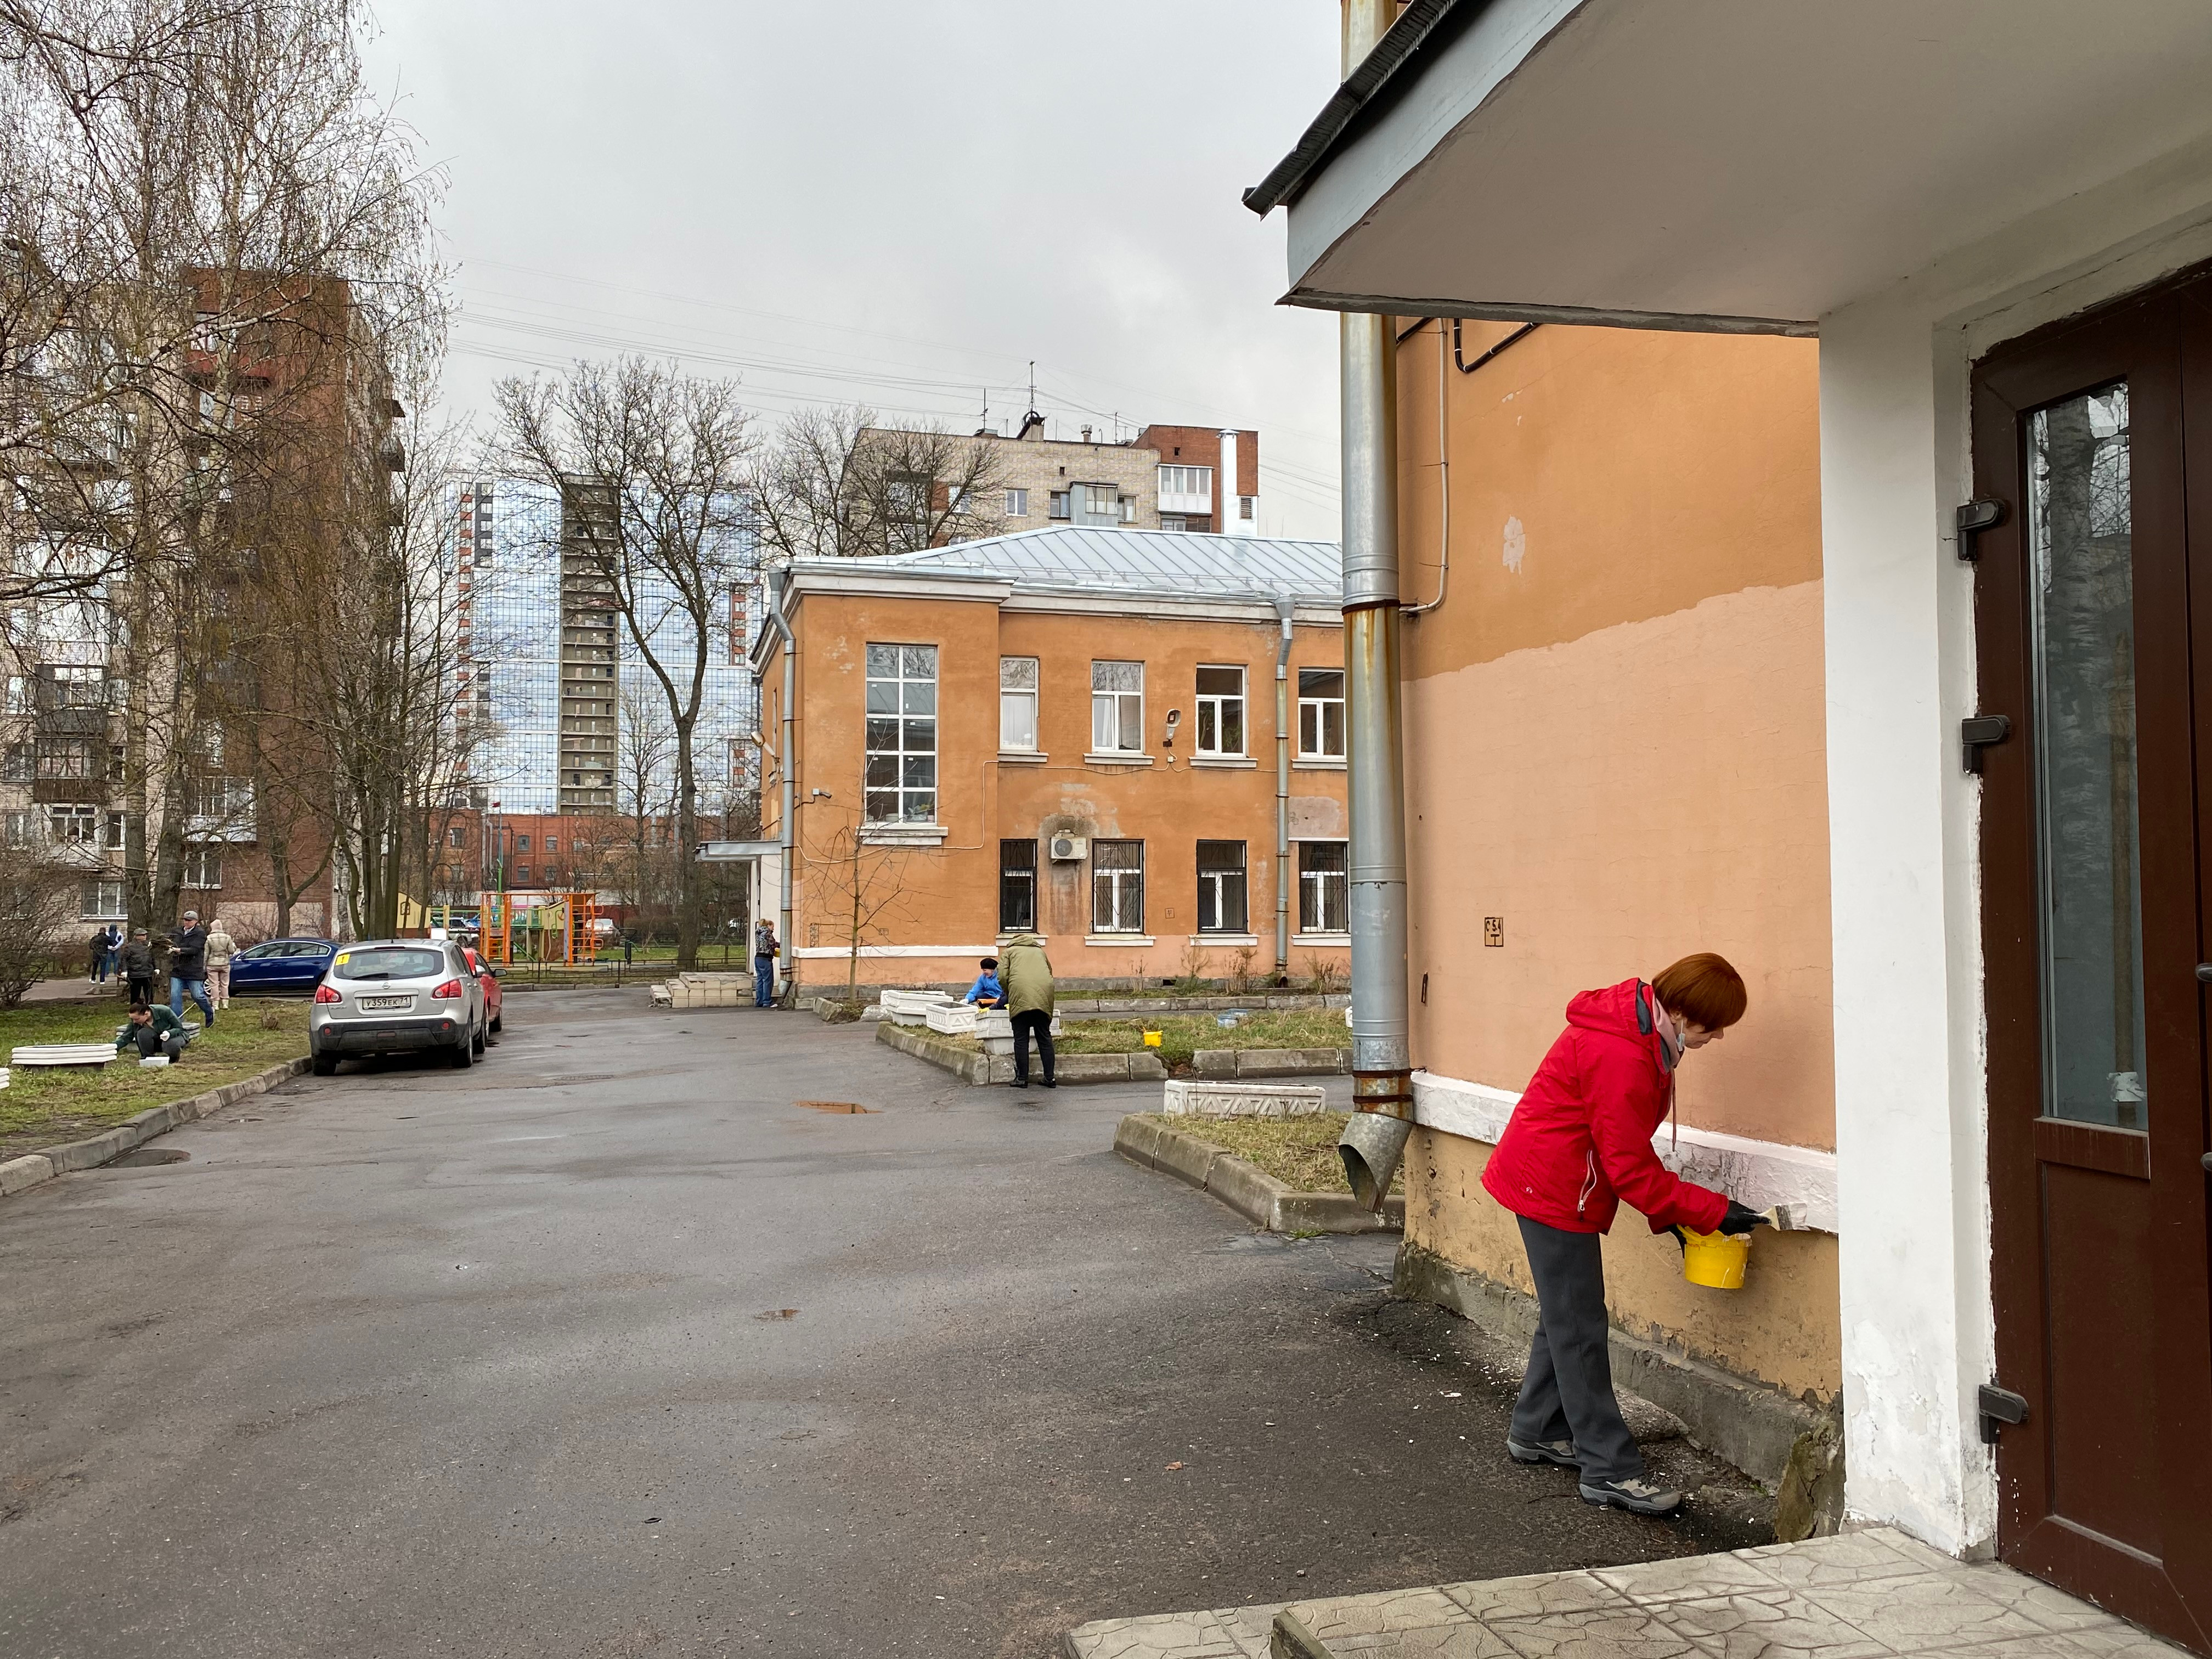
(35, 913)
(651, 465)
(645, 789)
(860, 884)
(833, 484)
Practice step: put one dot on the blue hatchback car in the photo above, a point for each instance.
(280, 968)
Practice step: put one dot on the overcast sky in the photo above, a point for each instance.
(898, 202)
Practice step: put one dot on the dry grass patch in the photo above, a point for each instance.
(1298, 1151)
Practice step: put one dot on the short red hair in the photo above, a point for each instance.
(1703, 988)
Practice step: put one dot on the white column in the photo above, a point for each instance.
(1911, 1178)
(1224, 483)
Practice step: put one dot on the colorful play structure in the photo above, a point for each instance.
(551, 927)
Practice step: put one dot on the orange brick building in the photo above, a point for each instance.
(1070, 731)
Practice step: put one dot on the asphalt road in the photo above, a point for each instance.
(608, 1348)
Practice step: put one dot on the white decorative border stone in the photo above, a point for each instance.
(1758, 1173)
(1191, 1097)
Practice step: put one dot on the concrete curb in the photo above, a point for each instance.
(1219, 1063)
(31, 1169)
(1247, 1188)
(981, 1068)
(1755, 1428)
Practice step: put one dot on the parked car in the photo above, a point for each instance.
(280, 967)
(395, 996)
(488, 976)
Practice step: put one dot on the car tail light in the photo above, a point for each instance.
(447, 992)
(324, 994)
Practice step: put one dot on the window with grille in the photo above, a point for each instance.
(1117, 887)
(1018, 873)
(203, 866)
(1117, 707)
(1221, 711)
(901, 734)
(1221, 887)
(1321, 713)
(1324, 888)
(1018, 704)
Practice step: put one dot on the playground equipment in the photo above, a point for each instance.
(508, 927)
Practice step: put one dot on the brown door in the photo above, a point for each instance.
(2093, 612)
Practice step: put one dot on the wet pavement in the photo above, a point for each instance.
(609, 1346)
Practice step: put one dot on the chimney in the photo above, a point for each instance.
(1086, 434)
(1032, 426)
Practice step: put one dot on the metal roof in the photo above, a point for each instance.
(1140, 561)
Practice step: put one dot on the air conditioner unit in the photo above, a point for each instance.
(1070, 849)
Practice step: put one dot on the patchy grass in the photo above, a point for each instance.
(1183, 1034)
(43, 1107)
(1298, 1151)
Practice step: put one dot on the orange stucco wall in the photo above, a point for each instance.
(1614, 738)
(949, 893)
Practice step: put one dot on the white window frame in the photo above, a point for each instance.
(910, 696)
(73, 823)
(1017, 503)
(1101, 505)
(1018, 705)
(203, 866)
(1117, 713)
(1123, 888)
(1213, 708)
(1324, 896)
(1318, 719)
(106, 899)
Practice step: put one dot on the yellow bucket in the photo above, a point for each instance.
(1151, 1039)
(1715, 1260)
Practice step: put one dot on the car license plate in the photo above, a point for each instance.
(387, 1002)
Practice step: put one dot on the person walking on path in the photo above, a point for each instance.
(1579, 1141)
(97, 970)
(1026, 972)
(153, 1030)
(765, 949)
(111, 951)
(188, 969)
(219, 948)
(138, 966)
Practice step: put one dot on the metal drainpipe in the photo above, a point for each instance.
(1374, 1139)
(786, 825)
(1284, 608)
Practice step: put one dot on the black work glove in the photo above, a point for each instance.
(1739, 1220)
(1681, 1238)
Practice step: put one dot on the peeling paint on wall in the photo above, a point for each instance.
(1516, 544)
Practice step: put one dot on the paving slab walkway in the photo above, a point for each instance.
(1870, 1594)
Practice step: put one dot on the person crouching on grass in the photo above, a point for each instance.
(1579, 1142)
(153, 1030)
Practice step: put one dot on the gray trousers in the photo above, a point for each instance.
(1567, 1394)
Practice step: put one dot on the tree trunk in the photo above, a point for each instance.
(687, 848)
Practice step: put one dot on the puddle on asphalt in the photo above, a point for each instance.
(146, 1157)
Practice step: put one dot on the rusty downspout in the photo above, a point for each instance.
(1374, 1140)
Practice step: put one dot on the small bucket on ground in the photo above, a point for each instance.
(1716, 1261)
(1151, 1039)
(153, 1062)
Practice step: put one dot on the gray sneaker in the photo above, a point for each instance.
(1638, 1495)
(1561, 1452)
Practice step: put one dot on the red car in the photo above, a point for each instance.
(488, 976)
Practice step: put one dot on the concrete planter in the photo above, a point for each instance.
(1246, 1188)
(986, 1068)
(1192, 1097)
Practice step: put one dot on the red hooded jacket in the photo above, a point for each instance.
(1580, 1140)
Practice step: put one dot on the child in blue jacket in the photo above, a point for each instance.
(986, 992)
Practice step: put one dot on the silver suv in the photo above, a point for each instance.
(393, 996)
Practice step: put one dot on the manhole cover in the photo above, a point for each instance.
(849, 1107)
(146, 1155)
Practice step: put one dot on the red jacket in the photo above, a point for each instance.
(1580, 1140)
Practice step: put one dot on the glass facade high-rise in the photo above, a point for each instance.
(545, 657)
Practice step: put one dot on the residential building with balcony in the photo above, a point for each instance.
(1079, 732)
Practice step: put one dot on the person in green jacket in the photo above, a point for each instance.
(1026, 972)
(154, 1030)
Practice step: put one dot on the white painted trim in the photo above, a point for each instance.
(1023, 758)
(1207, 941)
(862, 576)
(1165, 607)
(1327, 940)
(882, 953)
(904, 835)
(1119, 757)
(1109, 941)
(1318, 764)
(1758, 1173)
(1224, 763)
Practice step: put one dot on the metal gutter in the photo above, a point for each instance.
(1286, 609)
(1371, 75)
(787, 828)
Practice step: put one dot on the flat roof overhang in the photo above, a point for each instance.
(1737, 165)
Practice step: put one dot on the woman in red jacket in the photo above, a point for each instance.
(1579, 1142)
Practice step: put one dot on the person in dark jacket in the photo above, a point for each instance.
(153, 1030)
(188, 969)
(110, 945)
(1579, 1142)
(138, 966)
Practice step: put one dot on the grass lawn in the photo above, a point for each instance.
(1298, 1151)
(1183, 1034)
(43, 1107)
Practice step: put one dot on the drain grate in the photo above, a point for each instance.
(852, 1107)
(147, 1155)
